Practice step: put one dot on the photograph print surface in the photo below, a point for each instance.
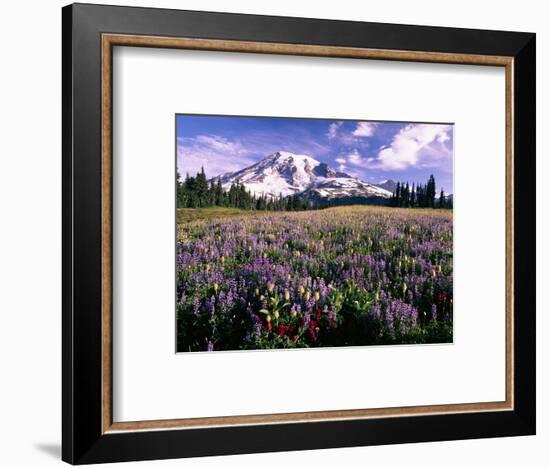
(308, 233)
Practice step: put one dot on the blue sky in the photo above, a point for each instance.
(372, 151)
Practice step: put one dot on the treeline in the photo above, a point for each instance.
(419, 196)
(197, 192)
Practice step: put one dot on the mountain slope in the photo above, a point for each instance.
(389, 185)
(284, 173)
(345, 187)
(280, 173)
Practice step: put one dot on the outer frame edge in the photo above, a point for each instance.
(67, 427)
(525, 232)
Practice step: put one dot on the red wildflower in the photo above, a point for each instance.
(282, 329)
(313, 329)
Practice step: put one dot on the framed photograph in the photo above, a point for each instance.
(287, 252)
(288, 233)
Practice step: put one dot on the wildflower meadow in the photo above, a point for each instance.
(343, 276)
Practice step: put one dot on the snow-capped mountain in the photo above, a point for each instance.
(284, 173)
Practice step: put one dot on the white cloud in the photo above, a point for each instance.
(216, 154)
(220, 144)
(333, 129)
(443, 137)
(340, 160)
(219, 155)
(364, 129)
(355, 159)
(416, 144)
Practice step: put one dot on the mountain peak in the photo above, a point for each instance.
(285, 173)
(288, 157)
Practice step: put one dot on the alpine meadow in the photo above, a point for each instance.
(308, 233)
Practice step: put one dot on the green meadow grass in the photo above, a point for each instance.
(185, 215)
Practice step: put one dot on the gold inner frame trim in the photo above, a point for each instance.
(108, 41)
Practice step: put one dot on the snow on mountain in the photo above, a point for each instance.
(280, 173)
(344, 187)
(284, 173)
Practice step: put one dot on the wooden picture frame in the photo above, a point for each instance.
(90, 32)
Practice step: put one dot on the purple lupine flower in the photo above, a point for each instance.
(257, 329)
(196, 305)
(376, 310)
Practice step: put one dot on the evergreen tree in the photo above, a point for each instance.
(201, 188)
(212, 193)
(180, 192)
(199, 192)
(419, 195)
(260, 204)
(288, 206)
(189, 187)
(430, 192)
(218, 193)
(243, 198)
(398, 194)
